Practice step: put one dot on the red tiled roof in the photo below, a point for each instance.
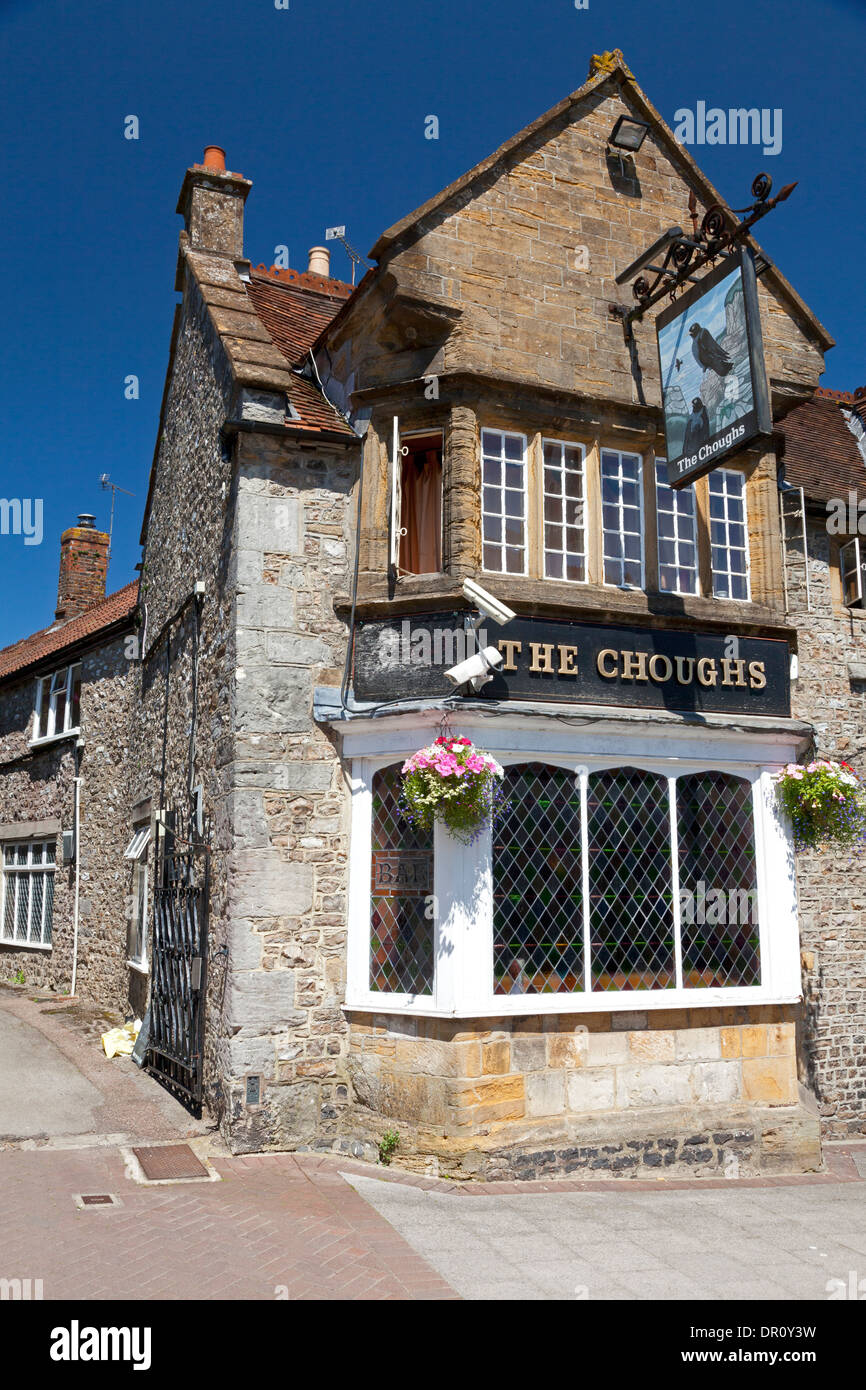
(821, 453)
(52, 641)
(295, 309)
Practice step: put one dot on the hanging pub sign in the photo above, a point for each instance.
(714, 385)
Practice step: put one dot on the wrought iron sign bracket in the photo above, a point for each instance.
(684, 255)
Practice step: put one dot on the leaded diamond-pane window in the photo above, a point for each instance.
(718, 881)
(537, 884)
(630, 881)
(401, 923)
(27, 890)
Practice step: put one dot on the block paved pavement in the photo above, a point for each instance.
(274, 1226)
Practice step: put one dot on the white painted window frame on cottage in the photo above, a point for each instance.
(46, 704)
(11, 875)
(463, 875)
(137, 853)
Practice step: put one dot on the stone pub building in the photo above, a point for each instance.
(613, 979)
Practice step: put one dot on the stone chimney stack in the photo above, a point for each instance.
(211, 203)
(83, 568)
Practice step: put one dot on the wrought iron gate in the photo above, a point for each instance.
(179, 946)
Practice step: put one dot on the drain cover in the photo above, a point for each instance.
(162, 1162)
(97, 1199)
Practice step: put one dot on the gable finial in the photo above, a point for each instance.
(607, 61)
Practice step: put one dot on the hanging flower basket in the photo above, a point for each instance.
(826, 803)
(452, 781)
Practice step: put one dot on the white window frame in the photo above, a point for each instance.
(500, 516)
(621, 454)
(677, 495)
(463, 877)
(561, 468)
(46, 700)
(12, 874)
(728, 573)
(856, 569)
(137, 851)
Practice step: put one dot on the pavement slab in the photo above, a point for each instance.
(745, 1244)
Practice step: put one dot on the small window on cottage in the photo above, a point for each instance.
(729, 543)
(136, 851)
(503, 502)
(622, 519)
(851, 563)
(421, 504)
(58, 701)
(27, 905)
(676, 514)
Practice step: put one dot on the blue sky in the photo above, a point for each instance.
(323, 106)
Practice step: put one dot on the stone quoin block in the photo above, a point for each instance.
(260, 1001)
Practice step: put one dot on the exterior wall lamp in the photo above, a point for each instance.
(628, 134)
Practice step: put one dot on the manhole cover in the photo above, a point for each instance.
(163, 1162)
(97, 1199)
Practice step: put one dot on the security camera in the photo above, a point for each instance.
(490, 606)
(476, 670)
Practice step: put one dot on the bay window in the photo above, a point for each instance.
(610, 883)
(578, 514)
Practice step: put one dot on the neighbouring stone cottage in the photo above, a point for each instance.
(71, 917)
(825, 467)
(332, 463)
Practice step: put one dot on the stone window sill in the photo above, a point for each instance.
(26, 945)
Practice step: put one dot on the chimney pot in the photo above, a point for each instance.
(214, 157)
(320, 261)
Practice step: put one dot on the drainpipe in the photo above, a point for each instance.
(77, 827)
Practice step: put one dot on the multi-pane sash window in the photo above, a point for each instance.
(584, 882)
(677, 522)
(729, 543)
(58, 699)
(622, 519)
(564, 520)
(503, 501)
(28, 893)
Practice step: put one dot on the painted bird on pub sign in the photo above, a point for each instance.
(707, 352)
